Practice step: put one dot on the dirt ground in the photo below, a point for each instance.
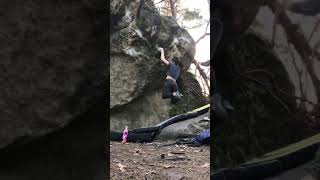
(148, 161)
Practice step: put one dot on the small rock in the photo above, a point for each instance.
(168, 166)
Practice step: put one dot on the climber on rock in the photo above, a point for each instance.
(170, 88)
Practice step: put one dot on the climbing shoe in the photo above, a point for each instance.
(177, 94)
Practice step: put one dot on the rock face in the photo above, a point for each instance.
(143, 112)
(52, 73)
(150, 109)
(136, 73)
(47, 74)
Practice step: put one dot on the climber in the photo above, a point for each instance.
(170, 88)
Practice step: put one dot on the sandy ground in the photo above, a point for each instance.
(146, 161)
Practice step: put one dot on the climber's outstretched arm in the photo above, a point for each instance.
(163, 59)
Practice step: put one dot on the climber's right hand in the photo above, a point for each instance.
(160, 49)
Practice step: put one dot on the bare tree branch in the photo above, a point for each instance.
(203, 36)
(159, 2)
(278, 99)
(205, 33)
(202, 73)
(299, 42)
(314, 29)
(300, 74)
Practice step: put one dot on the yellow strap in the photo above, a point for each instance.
(200, 108)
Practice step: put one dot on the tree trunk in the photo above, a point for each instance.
(202, 73)
(173, 9)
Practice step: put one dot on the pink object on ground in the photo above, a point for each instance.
(125, 135)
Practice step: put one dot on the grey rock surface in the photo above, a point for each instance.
(51, 68)
(188, 127)
(145, 111)
(52, 106)
(135, 61)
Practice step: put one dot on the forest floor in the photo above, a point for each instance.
(146, 161)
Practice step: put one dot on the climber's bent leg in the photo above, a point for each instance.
(167, 89)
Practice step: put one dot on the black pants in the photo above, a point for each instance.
(170, 86)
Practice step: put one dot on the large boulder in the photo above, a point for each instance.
(47, 77)
(187, 128)
(136, 73)
(52, 75)
(258, 85)
(150, 109)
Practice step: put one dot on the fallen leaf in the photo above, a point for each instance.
(167, 166)
(172, 152)
(170, 155)
(196, 151)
